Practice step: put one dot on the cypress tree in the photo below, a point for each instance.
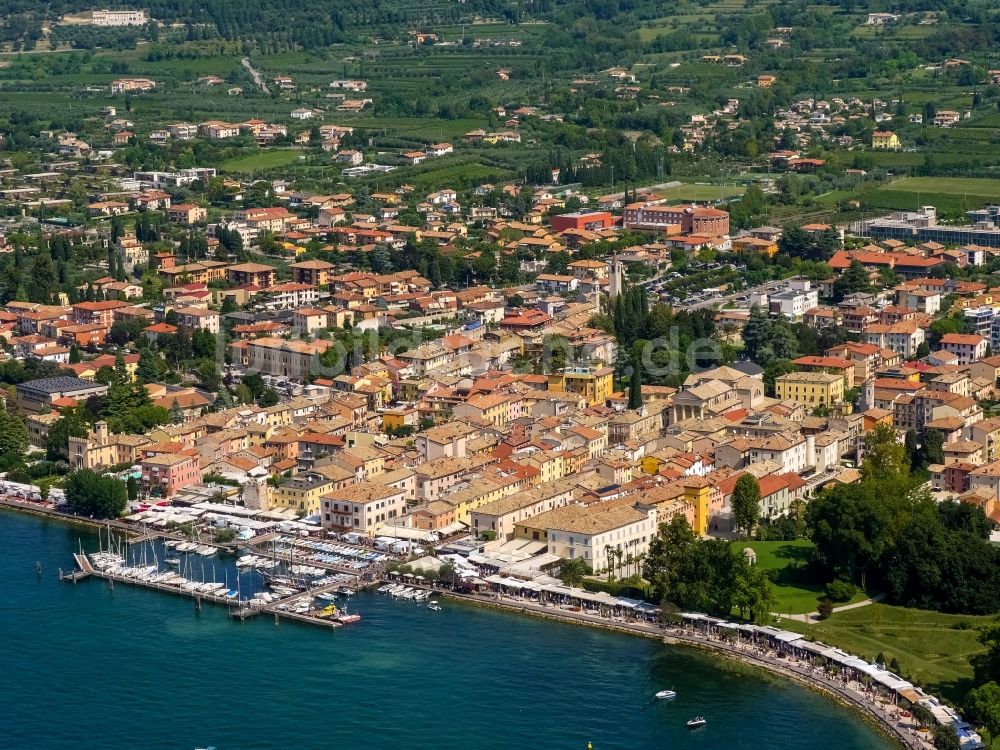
(635, 385)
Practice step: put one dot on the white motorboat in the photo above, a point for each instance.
(666, 695)
(433, 605)
(172, 561)
(696, 722)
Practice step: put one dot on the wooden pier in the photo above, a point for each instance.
(85, 570)
(262, 551)
(281, 609)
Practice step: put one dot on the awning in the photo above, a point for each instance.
(811, 647)
(452, 528)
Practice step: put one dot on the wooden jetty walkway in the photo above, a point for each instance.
(85, 570)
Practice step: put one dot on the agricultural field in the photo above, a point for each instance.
(947, 194)
(262, 161)
(456, 175)
(416, 127)
(986, 188)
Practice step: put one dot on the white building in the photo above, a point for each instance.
(968, 347)
(120, 18)
(194, 318)
(291, 295)
(794, 301)
(362, 507)
(903, 337)
(589, 532)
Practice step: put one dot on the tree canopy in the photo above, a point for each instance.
(746, 502)
(93, 494)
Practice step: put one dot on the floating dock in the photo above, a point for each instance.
(237, 610)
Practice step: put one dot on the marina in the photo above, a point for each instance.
(399, 649)
(297, 592)
(289, 578)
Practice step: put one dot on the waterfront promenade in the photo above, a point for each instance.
(854, 694)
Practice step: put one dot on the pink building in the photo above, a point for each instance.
(164, 475)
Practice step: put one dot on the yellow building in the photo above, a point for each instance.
(698, 493)
(301, 493)
(481, 492)
(257, 435)
(395, 419)
(650, 464)
(885, 140)
(595, 385)
(810, 388)
(755, 245)
(411, 389)
(551, 464)
(496, 408)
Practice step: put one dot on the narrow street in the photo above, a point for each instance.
(257, 79)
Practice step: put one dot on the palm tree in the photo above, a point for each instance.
(571, 572)
(618, 556)
(609, 552)
(629, 562)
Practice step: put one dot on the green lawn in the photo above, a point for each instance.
(777, 555)
(702, 192)
(793, 597)
(264, 160)
(932, 649)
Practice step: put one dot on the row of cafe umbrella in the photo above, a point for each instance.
(874, 675)
(568, 594)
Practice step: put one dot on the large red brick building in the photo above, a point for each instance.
(710, 222)
(590, 221)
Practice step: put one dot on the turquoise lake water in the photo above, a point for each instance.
(85, 667)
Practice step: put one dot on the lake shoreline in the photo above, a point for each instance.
(669, 636)
(674, 636)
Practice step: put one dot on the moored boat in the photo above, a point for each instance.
(666, 695)
(696, 722)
